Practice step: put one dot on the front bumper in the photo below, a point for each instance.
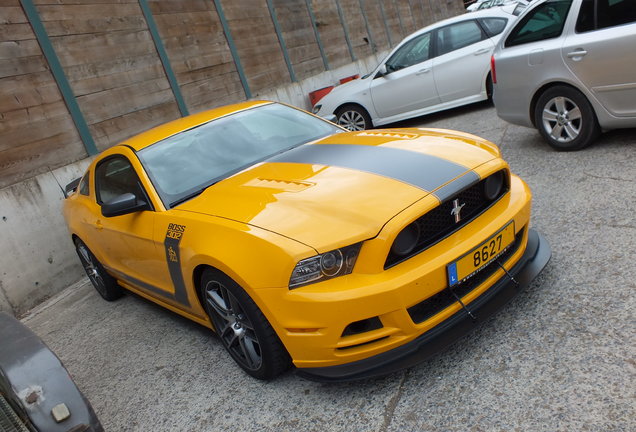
(535, 258)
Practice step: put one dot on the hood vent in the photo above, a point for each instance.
(282, 185)
(395, 135)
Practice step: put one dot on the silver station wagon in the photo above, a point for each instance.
(568, 68)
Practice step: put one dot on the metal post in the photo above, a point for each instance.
(413, 15)
(386, 24)
(397, 9)
(59, 76)
(366, 23)
(163, 56)
(345, 27)
(312, 17)
(233, 50)
(281, 40)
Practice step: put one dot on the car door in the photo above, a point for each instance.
(601, 53)
(125, 243)
(408, 82)
(463, 60)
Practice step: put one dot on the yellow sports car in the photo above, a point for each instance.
(346, 254)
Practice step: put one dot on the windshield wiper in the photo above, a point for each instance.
(190, 195)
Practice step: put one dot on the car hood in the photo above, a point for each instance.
(346, 187)
(345, 90)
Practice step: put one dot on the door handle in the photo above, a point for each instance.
(481, 51)
(423, 71)
(577, 53)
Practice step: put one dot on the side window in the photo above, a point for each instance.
(411, 53)
(84, 185)
(493, 26)
(611, 13)
(456, 36)
(600, 14)
(116, 176)
(546, 21)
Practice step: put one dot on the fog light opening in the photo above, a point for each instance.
(406, 240)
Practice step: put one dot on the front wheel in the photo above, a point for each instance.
(105, 284)
(243, 329)
(353, 117)
(566, 119)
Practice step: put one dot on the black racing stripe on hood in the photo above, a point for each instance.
(424, 171)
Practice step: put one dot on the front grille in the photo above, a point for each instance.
(440, 223)
(9, 420)
(436, 303)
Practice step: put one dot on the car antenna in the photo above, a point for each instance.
(58, 183)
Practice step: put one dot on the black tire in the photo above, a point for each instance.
(105, 284)
(565, 118)
(243, 329)
(353, 117)
(489, 88)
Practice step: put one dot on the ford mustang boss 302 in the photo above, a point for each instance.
(346, 254)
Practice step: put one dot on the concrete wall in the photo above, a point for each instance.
(38, 258)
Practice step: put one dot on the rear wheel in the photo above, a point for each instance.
(489, 88)
(353, 117)
(566, 119)
(243, 329)
(105, 284)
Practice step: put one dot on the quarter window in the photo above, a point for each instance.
(456, 36)
(546, 21)
(493, 26)
(83, 186)
(116, 176)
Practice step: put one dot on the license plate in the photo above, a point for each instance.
(475, 260)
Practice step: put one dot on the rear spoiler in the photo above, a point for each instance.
(71, 187)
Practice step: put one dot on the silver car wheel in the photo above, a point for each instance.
(562, 119)
(352, 120)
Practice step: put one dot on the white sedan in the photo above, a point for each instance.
(442, 66)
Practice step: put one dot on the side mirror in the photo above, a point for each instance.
(381, 72)
(123, 204)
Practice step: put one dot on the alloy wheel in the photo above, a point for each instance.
(233, 326)
(92, 269)
(352, 120)
(562, 119)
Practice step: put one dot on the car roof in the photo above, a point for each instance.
(496, 12)
(166, 130)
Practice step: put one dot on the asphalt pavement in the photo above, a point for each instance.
(559, 357)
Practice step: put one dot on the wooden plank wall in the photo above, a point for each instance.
(121, 86)
(303, 50)
(199, 53)
(257, 44)
(390, 10)
(331, 33)
(36, 130)
(111, 64)
(357, 30)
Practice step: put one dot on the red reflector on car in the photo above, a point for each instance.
(493, 70)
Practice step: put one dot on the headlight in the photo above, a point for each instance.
(316, 109)
(328, 265)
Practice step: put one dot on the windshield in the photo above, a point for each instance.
(183, 165)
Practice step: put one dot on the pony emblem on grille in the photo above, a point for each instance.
(456, 211)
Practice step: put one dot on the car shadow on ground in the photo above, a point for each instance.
(440, 115)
